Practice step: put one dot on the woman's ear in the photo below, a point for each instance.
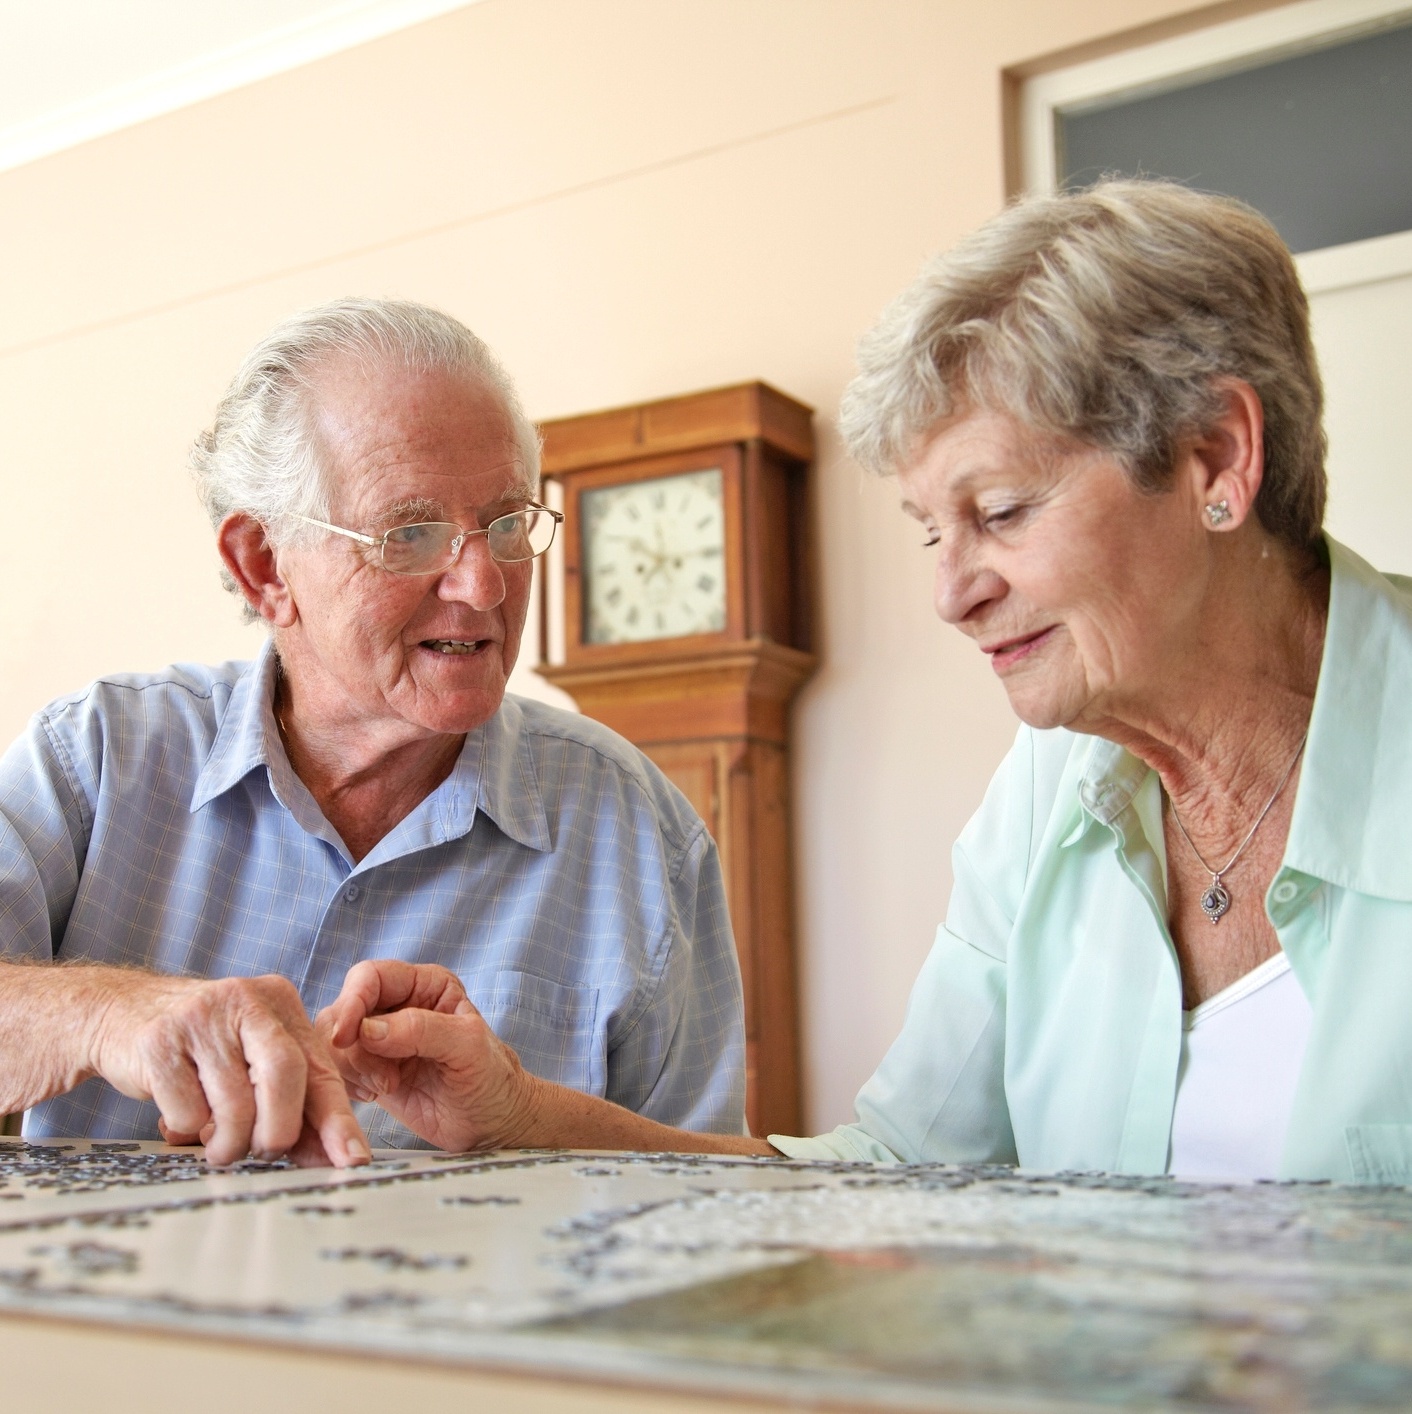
(1227, 461)
(250, 559)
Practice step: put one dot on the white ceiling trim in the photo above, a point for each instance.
(273, 52)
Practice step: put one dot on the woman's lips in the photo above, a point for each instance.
(1012, 650)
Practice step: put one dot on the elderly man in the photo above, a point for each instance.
(194, 861)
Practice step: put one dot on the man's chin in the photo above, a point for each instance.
(455, 714)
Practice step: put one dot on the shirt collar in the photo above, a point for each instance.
(1112, 776)
(495, 772)
(247, 736)
(1350, 814)
(506, 776)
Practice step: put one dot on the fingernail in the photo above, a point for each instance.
(357, 1150)
(374, 1029)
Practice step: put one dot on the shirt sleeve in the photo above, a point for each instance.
(939, 1094)
(45, 824)
(682, 1060)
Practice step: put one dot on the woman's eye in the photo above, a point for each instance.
(933, 538)
(1005, 515)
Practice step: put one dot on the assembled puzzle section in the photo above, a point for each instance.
(916, 1287)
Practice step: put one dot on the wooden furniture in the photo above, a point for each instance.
(59, 1364)
(686, 628)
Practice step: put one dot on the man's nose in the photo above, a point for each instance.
(475, 576)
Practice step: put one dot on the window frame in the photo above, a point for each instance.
(1203, 54)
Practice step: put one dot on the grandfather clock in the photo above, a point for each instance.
(686, 575)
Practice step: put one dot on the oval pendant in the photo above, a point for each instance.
(1215, 902)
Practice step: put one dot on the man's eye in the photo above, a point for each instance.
(406, 535)
(933, 538)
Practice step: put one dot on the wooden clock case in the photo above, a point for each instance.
(712, 709)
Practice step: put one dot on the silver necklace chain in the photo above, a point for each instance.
(1216, 901)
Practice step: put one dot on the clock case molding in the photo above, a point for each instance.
(712, 709)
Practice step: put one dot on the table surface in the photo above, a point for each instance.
(649, 1282)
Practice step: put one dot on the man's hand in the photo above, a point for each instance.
(234, 1063)
(406, 1035)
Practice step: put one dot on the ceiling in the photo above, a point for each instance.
(71, 70)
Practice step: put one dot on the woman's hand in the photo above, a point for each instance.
(406, 1035)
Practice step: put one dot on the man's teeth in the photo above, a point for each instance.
(451, 645)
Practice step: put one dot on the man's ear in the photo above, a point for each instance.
(250, 560)
(1227, 461)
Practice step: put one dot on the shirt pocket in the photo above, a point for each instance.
(1379, 1153)
(553, 1027)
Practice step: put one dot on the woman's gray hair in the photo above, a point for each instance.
(1106, 317)
(260, 455)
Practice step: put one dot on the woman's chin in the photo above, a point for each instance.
(1039, 709)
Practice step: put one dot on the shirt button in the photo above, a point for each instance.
(1285, 892)
(351, 892)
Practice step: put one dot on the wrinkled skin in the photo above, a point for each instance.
(407, 1036)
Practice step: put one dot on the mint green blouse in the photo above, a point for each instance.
(1045, 1027)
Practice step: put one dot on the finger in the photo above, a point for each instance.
(177, 1091)
(278, 1073)
(442, 991)
(175, 1137)
(362, 993)
(387, 984)
(329, 1115)
(309, 1152)
(429, 1035)
(327, 1112)
(339, 1021)
(225, 1078)
(367, 1076)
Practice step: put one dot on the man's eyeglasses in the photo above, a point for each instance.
(430, 546)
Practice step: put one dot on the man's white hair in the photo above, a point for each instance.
(260, 455)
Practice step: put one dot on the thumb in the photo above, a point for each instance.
(428, 1035)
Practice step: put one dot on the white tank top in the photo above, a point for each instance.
(1241, 1054)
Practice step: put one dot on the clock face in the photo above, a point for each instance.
(654, 558)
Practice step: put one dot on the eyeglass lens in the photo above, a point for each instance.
(432, 545)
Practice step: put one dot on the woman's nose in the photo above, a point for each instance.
(962, 583)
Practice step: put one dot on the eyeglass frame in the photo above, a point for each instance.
(458, 543)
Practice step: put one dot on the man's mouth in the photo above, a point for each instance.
(454, 645)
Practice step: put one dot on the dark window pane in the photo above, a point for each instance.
(1321, 142)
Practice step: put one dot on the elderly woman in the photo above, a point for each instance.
(1181, 933)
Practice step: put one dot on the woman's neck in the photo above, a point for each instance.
(1233, 704)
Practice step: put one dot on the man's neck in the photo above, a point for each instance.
(367, 791)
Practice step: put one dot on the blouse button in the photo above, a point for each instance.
(1286, 891)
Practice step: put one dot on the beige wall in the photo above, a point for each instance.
(628, 199)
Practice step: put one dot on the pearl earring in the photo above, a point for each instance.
(1218, 514)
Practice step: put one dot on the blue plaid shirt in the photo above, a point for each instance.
(155, 820)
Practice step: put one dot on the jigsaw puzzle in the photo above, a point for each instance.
(921, 1287)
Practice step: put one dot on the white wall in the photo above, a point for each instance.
(628, 199)
(1363, 333)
